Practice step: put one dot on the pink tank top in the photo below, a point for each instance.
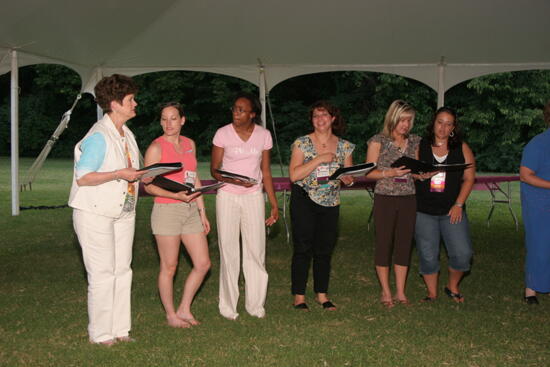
(186, 157)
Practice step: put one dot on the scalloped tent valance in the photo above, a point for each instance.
(290, 38)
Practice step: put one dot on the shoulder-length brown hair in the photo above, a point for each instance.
(339, 125)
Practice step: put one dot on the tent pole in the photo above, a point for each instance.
(99, 76)
(99, 113)
(262, 93)
(441, 82)
(14, 134)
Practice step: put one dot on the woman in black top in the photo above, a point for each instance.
(441, 205)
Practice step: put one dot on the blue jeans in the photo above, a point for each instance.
(428, 233)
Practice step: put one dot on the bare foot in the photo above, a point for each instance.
(188, 318)
(401, 300)
(387, 301)
(175, 321)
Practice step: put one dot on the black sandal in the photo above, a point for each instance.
(531, 300)
(457, 297)
(301, 306)
(328, 306)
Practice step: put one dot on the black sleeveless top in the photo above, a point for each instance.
(439, 203)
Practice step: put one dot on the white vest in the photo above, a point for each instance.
(108, 198)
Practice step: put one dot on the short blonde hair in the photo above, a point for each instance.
(396, 110)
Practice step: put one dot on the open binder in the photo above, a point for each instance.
(417, 166)
(356, 170)
(173, 186)
(236, 176)
(160, 169)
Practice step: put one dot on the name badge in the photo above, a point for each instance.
(323, 172)
(190, 177)
(401, 179)
(437, 182)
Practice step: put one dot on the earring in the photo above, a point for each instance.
(452, 134)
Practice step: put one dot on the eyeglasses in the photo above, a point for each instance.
(238, 110)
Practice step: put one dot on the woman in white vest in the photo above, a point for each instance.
(104, 196)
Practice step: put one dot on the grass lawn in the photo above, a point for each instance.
(43, 315)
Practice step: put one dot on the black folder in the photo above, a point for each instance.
(236, 176)
(356, 170)
(159, 169)
(174, 186)
(417, 166)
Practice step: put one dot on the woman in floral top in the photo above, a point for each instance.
(394, 199)
(314, 201)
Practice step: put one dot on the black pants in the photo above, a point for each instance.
(314, 233)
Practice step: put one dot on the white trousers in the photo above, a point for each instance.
(107, 253)
(245, 215)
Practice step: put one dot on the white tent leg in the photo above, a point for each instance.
(262, 96)
(14, 134)
(99, 112)
(441, 83)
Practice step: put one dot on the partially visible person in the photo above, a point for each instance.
(315, 201)
(394, 199)
(104, 197)
(243, 147)
(441, 205)
(178, 217)
(534, 173)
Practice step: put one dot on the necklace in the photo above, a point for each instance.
(439, 143)
(323, 145)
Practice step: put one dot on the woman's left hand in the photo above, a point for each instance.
(456, 214)
(273, 218)
(425, 175)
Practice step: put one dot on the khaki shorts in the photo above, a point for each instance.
(175, 219)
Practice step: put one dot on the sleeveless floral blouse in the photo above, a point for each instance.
(389, 153)
(323, 193)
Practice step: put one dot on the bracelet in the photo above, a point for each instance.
(116, 174)
(459, 205)
(200, 210)
(384, 173)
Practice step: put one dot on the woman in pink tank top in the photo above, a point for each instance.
(178, 217)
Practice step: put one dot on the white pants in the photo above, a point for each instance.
(107, 253)
(241, 214)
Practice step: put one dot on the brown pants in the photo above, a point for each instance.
(394, 221)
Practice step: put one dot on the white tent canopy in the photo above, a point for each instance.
(437, 42)
(291, 38)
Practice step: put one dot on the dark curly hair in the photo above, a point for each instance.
(254, 104)
(339, 125)
(113, 88)
(456, 139)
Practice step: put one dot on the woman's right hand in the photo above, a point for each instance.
(129, 174)
(182, 195)
(396, 172)
(326, 157)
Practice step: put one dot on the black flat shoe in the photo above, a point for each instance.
(301, 306)
(531, 300)
(328, 306)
